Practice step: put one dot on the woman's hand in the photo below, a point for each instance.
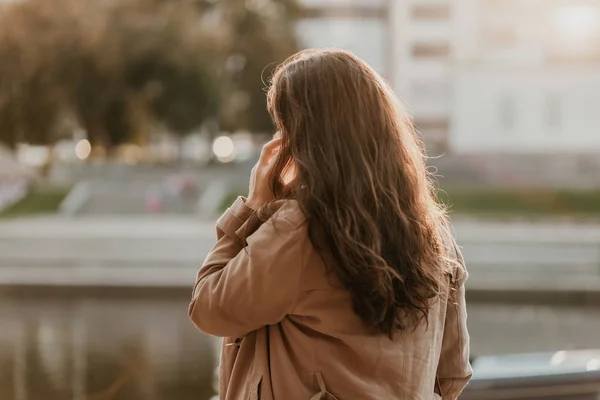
(260, 192)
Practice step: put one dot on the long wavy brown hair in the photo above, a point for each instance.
(362, 183)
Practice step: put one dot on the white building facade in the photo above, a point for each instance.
(526, 77)
(407, 41)
(423, 50)
(360, 26)
(479, 76)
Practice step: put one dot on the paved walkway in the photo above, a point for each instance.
(544, 259)
(126, 190)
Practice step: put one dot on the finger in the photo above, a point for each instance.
(269, 150)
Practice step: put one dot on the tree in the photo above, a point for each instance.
(29, 93)
(153, 58)
(99, 60)
(175, 66)
(260, 35)
(119, 65)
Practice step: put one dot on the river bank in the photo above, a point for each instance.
(507, 260)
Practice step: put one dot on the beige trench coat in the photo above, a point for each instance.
(290, 331)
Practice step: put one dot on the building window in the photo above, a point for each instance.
(553, 111)
(344, 12)
(507, 112)
(493, 6)
(434, 131)
(500, 37)
(344, 3)
(430, 92)
(432, 124)
(431, 50)
(431, 12)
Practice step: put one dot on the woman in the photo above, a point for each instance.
(336, 278)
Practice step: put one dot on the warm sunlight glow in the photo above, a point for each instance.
(577, 22)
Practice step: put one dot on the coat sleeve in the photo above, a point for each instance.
(454, 369)
(241, 288)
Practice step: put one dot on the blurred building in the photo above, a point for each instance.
(422, 36)
(408, 41)
(479, 76)
(526, 76)
(361, 26)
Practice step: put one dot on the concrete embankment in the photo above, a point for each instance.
(507, 261)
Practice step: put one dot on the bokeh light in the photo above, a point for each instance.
(224, 149)
(83, 149)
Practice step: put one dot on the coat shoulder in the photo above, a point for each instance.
(288, 210)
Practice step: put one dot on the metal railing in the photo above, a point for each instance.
(564, 375)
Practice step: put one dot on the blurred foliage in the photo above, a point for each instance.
(41, 200)
(260, 35)
(501, 202)
(119, 68)
(231, 198)
(523, 202)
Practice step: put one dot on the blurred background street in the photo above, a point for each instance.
(128, 126)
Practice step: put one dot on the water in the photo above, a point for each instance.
(101, 349)
(108, 348)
